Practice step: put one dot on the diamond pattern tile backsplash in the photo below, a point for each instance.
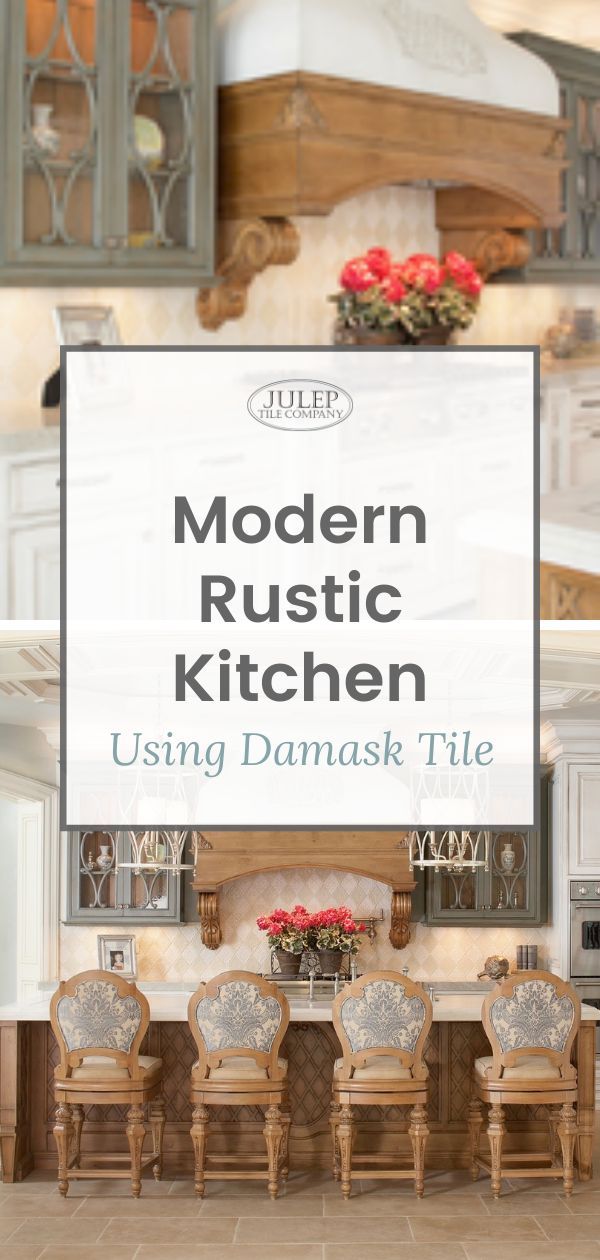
(176, 954)
(287, 304)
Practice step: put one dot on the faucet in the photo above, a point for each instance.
(336, 984)
(353, 969)
(311, 984)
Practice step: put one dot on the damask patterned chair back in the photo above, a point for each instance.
(532, 1013)
(97, 1014)
(238, 1014)
(383, 1013)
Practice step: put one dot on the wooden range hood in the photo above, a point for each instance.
(227, 855)
(300, 143)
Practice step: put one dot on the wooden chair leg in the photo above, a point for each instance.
(418, 1133)
(553, 1123)
(157, 1126)
(475, 1122)
(273, 1133)
(78, 1118)
(63, 1136)
(136, 1132)
(345, 1138)
(496, 1130)
(567, 1132)
(199, 1133)
(286, 1120)
(334, 1117)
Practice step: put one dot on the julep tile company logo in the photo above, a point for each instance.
(300, 405)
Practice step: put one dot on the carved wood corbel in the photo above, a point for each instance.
(210, 926)
(247, 247)
(499, 251)
(400, 918)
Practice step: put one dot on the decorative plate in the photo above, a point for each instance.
(149, 140)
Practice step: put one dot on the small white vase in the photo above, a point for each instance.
(508, 858)
(45, 135)
(104, 862)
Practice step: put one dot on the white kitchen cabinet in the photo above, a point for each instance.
(570, 427)
(30, 535)
(34, 571)
(584, 818)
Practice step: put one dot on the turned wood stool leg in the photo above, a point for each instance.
(567, 1132)
(78, 1118)
(136, 1132)
(496, 1130)
(334, 1116)
(345, 1137)
(553, 1123)
(286, 1120)
(157, 1126)
(273, 1133)
(475, 1122)
(418, 1133)
(199, 1132)
(63, 1136)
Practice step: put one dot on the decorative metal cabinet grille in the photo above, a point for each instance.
(574, 249)
(98, 891)
(107, 141)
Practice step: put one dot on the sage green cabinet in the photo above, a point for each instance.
(100, 890)
(572, 252)
(107, 141)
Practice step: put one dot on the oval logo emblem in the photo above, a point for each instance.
(300, 405)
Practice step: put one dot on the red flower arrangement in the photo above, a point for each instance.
(409, 297)
(296, 930)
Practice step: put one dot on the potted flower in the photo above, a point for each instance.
(418, 300)
(333, 933)
(287, 934)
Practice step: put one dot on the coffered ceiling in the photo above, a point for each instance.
(570, 670)
(576, 21)
(29, 675)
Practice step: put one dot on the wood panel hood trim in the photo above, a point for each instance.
(300, 143)
(225, 856)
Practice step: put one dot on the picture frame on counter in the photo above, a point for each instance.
(118, 954)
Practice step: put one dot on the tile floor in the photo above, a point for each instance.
(457, 1220)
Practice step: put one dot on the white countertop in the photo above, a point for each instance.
(570, 529)
(172, 1007)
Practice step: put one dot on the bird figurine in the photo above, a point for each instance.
(495, 967)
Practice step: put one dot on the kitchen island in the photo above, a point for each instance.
(28, 1055)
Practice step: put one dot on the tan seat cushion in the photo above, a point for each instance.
(532, 1067)
(97, 1067)
(242, 1068)
(382, 1067)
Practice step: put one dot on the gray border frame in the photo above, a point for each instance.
(534, 350)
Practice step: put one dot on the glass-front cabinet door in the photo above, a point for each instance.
(512, 890)
(164, 142)
(55, 133)
(107, 144)
(103, 885)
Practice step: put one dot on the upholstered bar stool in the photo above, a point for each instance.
(531, 1020)
(99, 1021)
(382, 1021)
(238, 1021)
